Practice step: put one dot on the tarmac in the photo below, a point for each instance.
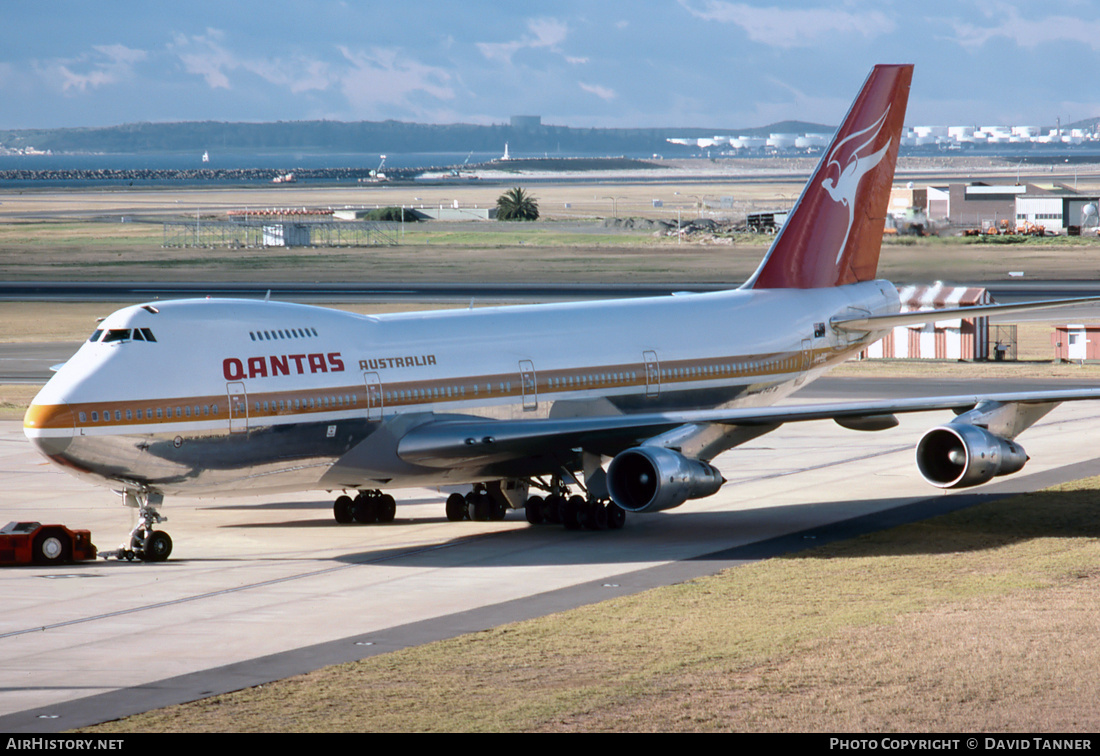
(258, 589)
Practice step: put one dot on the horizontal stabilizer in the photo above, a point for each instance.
(919, 317)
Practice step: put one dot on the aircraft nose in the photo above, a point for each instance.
(49, 427)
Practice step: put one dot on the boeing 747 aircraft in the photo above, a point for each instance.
(625, 402)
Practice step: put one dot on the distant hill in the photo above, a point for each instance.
(1089, 124)
(369, 137)
(783, 127)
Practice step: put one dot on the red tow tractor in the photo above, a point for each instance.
(35, 543)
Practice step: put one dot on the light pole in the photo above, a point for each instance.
(614, 208)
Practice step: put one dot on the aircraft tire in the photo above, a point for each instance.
(595, 516)
(343, 510)
(551, 509)
(572, 511)
(387, 508)
(616, 516)
(456, 507)
(365, 509)
(478, 506)
(533, 510)
(156, 547)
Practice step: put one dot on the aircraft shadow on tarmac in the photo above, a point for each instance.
(667, 536)
(670, 537)
(301, 505)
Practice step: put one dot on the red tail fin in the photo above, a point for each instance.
(833, 235)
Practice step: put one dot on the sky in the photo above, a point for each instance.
(585, 63)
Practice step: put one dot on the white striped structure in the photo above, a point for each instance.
(951, 339)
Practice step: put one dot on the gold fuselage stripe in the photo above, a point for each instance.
(198, 409)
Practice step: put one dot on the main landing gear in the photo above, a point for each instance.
(575, 512)
(557, 508)
(365, 508)
(478, 505)
(145, 543)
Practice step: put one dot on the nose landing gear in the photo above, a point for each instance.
(145, 542)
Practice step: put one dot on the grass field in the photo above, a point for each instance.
(985, 620)
(53, 234)
(532, 253)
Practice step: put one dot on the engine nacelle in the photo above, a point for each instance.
(652, 478)
(960, 456)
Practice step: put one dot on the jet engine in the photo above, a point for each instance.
(652, 478)
(961, 456)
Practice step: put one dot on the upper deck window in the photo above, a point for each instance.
(282, 333)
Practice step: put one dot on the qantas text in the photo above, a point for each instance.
(234, 369)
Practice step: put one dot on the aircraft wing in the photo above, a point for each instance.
(461, 441)
(918, 317)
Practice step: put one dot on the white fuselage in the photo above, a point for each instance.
(203, 397)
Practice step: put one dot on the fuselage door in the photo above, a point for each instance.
(652, 373)
(529, 383)
(238, 407)
(805, 358)
(374, 395)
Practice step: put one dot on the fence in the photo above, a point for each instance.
(253, 233)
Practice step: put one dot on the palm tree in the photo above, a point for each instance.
(516, 204)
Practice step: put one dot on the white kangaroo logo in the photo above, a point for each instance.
(843, 188)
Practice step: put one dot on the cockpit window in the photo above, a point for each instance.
(117, 334)
(123, 334)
